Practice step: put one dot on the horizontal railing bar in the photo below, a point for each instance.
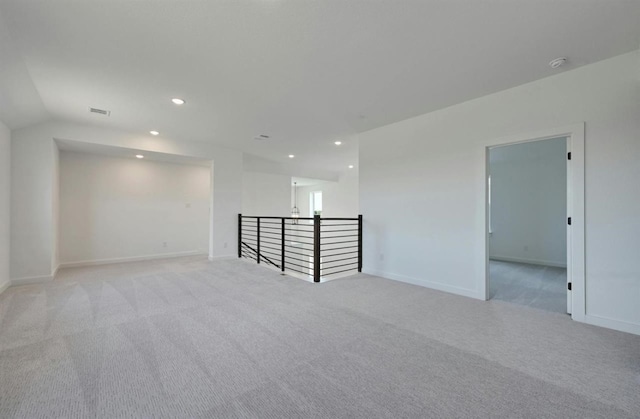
(264, 241)
(274, 235)
(341, 254)
(337, 260)
(268, 227)
(295, 264)
(339, 266)
(298, 247)
(274, 240)
(324, 254)
(298, 241)
(340, 248)
(295, 235)
(342, 242)
(292, 240)
(269, 247)
(296, 253)
(338, 224)
(289, 243)
(339, 237)
(287, 257)
(337, 231)
(338, 272)
(337, 219)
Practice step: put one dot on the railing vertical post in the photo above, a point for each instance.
(316, 248)
(282, 247)
(360, 243)
(258, 239)
(239, 235)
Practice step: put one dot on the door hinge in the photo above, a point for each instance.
(569, 156)
(569, 220)
(569, 286)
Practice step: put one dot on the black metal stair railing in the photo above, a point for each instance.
(313, 247)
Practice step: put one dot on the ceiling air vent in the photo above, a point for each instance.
(100, 111)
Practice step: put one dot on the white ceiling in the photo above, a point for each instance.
(304, 72)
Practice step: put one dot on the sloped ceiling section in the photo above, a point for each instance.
(20, 103)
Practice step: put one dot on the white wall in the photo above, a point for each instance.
(266, 194)
(422, 193)
(5, 208)
(119, 208)
(32, 223)
(529, 202)
(33, 160)
(339, 199)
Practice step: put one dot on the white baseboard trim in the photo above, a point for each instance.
(4, 286)
(619, 325)
(528, 261)
(31, 280)
(129, 259)
(427, 284)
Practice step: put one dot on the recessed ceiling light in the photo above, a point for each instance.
(558, 62)
(139, 156)
(178, 101)
(154, 133)
(350, 166)
(291, 156)
(338, 142)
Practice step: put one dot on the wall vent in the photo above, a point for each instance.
(100, 111)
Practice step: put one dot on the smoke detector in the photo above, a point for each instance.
(100, 111)
(558, 62)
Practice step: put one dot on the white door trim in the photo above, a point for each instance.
(575, 209)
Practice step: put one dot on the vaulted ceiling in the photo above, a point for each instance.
(306, 73)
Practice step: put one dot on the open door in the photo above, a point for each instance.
(529, 235)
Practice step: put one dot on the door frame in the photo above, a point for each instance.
(575, 208)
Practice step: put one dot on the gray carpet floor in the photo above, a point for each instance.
(542, 287)
(192, 338)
